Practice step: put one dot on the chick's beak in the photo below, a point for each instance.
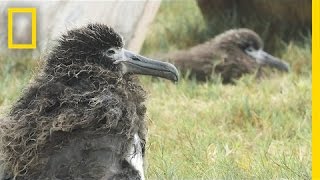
(136, 64)
(265, 58)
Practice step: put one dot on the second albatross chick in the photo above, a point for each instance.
(83, 116)
(230, 55)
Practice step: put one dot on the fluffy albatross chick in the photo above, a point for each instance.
(230, 55)
(83, 116)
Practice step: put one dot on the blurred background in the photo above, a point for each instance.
(256, 129)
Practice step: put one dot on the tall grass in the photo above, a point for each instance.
(255, 130)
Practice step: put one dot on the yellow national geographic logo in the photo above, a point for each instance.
(33, 12)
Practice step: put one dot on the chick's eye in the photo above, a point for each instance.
(250, 49)
(110, 52)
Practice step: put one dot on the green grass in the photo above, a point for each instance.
(257, 129)
(15, 73)
(178, 24)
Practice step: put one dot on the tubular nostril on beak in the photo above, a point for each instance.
(135, 59)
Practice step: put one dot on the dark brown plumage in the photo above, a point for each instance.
(231, 54)
(83, 116)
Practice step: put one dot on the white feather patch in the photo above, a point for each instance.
(135, 155)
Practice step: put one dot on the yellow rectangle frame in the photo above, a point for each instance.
(315, 90)
(33, 12)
